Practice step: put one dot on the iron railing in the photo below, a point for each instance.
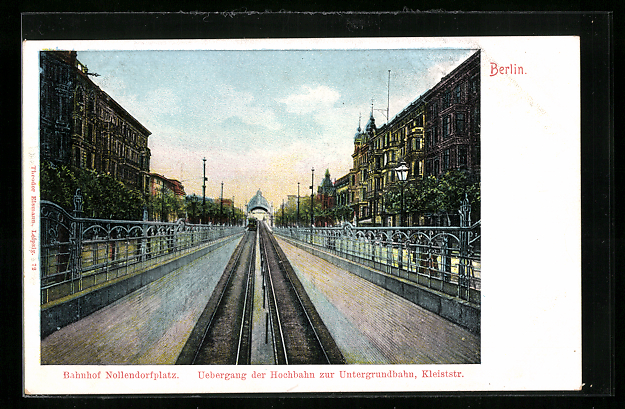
(78, 253)
(447, 259)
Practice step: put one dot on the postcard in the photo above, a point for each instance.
(379, 214)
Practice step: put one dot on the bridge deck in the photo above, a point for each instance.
(148, 326)
(373, 325)
(369, 324)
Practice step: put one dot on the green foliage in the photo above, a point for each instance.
(290, 213)
(103, 196)
(194, 210)
(342, 213)
(432, 195)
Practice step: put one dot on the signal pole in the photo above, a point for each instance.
(221, 201)
(204, 194)
(312, 198)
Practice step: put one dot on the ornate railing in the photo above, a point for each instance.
(447, 259)
(78, 253)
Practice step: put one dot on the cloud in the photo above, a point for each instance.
(163, 101)
(225, 101)
(311, 99)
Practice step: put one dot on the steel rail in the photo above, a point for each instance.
(301, 303)
(275, 304)
(223, 291)
(248, 290)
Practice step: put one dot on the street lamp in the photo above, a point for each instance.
(204, 194)
(312, 198)
(402, 174)
(221, 204)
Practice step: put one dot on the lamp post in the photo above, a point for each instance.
(221, 203)
(204, 194)
(312, 198)
(163, 202)
(402, 173)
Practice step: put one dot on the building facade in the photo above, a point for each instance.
(453, 121)
(83, 127)
(436, 133)
(159, 186)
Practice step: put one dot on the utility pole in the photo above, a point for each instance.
(388, 96)
(297, 224)
(163, 202)
(388, 100)
(312, 198)
(204, 194)
(221, 202)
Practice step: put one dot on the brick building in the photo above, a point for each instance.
(453, 121)
(437, 132)
(83, 127)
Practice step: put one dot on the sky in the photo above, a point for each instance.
(262, 118)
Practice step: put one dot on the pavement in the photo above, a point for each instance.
(371, 325)
(148, 326)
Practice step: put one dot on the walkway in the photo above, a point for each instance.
(148, 326)
(374, 326)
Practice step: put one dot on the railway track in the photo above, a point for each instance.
(223, 333)
(299, 335)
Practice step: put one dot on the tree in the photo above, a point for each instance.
(342, 213)
(103, 196)
(431, 195)
(166, 206)
(453, 187)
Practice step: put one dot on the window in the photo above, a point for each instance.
(446, 99)
(460, 122)
(462, 156)
(457, 94)
(474, 84)
(446, 126)
(475, 120)
(475, 156)
(77, 126)
(446, 159)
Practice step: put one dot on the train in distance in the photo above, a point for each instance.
(251, 224)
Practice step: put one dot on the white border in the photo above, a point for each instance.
(531, 245)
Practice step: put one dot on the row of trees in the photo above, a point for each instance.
(436, 196)
(287, 214)
(105, 197)
(431, 196)
(200, 211)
